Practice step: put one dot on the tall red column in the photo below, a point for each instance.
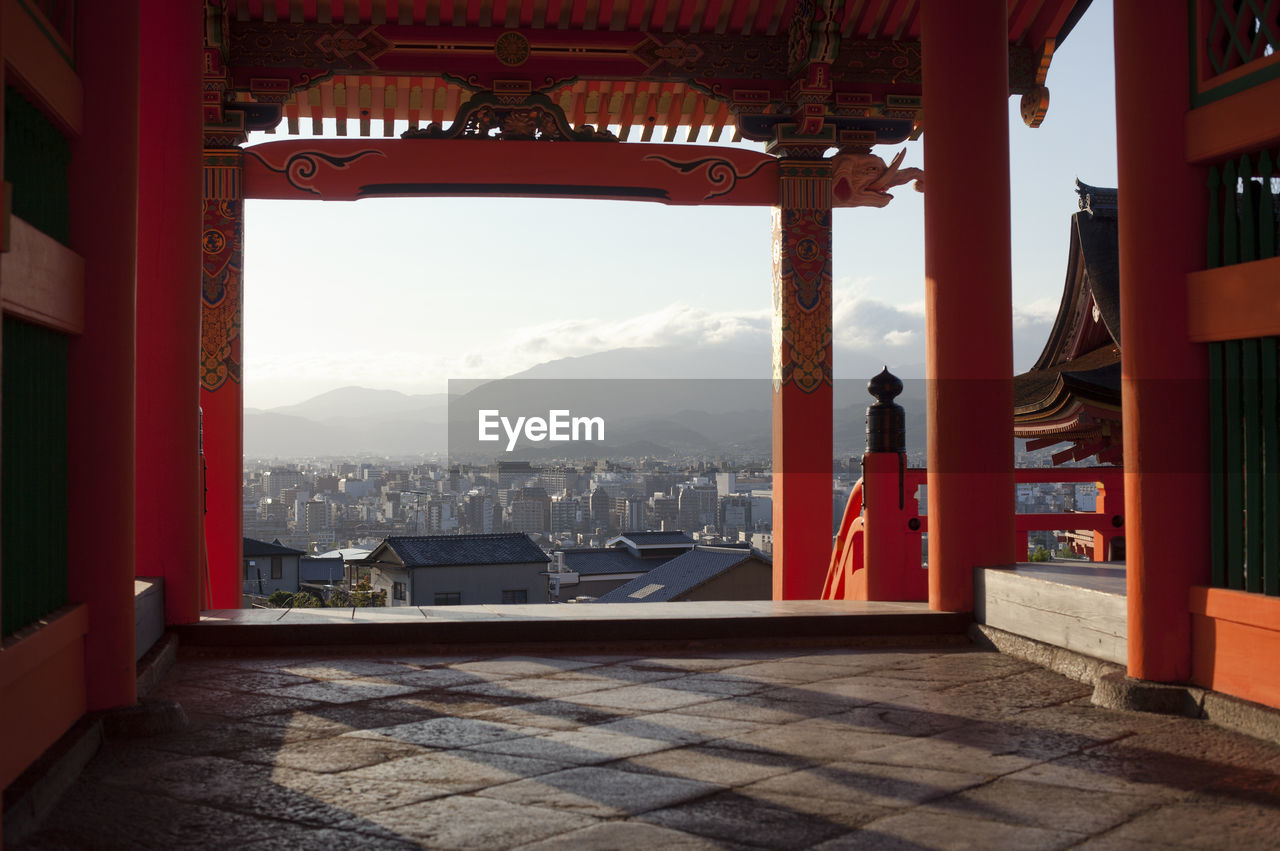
(1162, 232)
(221, 396)
(169, 486)
(802, 390)
(968, 293)
(100, 452)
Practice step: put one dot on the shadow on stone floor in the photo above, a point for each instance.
(918, 748)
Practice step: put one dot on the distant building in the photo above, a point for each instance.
(269, 568)
(647, 545)
(701, 574)
(444, 570)
(514, 474)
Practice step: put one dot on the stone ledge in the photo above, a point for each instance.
(1069, 663)
(152, 667)
(1113, 689)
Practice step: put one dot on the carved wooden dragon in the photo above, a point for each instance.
(863, 180)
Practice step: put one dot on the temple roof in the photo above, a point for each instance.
(1073, 392)
(681, 575)
(669, 63)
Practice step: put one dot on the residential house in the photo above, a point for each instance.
(453, 570)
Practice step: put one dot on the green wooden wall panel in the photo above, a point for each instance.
(36, 157)
(33, 477)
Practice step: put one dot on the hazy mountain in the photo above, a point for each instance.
(359, 402)
(671, 413)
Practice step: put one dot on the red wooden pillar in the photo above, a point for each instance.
(169, 489)
(100, 452)
(802, 391)
(221, 397)
(1162, 227)
(968, 294)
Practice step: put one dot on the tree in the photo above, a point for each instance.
(1040, 554)
(281, 599)
(339, 600)
(306, 600)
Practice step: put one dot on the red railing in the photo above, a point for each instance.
(877, 552)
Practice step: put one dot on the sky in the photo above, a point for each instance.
(406, 294)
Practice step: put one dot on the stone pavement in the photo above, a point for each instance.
(913, 748)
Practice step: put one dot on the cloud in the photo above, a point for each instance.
(864, 329)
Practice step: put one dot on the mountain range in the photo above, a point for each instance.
(652, 406)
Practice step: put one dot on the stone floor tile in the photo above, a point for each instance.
(333, 719)
(1041, 805)
(869, 783)
(548, 715)
(761, 709)
(955, 668)
(816, 740)
(1024, 690)
(601, 791)
(340, 753)
(1208, 825)
(719, 684)
(736, 818)
(690, 662)
(913, 831)
(523, 666)
(968, 754)
(463, 770)
(725, 766)
(447, 702)
(241, 679)
(1141, 762)
(117, 818)
(347, 690)
(289, 837)
(1104, 775)
(342, 668)
(678, 728)
(537, 688)
(622, 674)
(357, 794)
(443, 732)
(580, 747)
(462, 821)
(787, 671)
(1111, 843)
(858, 689)
(433, 678)
(641, 698)
(887, 718)
(1102, 724)
(614, 835)
(211, 736)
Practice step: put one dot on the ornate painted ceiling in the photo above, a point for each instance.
(657, 69)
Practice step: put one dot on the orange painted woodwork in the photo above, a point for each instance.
(891, 549)
(169, 487)
(847, 546)
(968, 296)
(103, 177)
(1235, 637)
(347, 170)
(1234, 302)
(221, 393)
(1162, 231)
(42, 676)
(1244, 122)
(802, 389)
